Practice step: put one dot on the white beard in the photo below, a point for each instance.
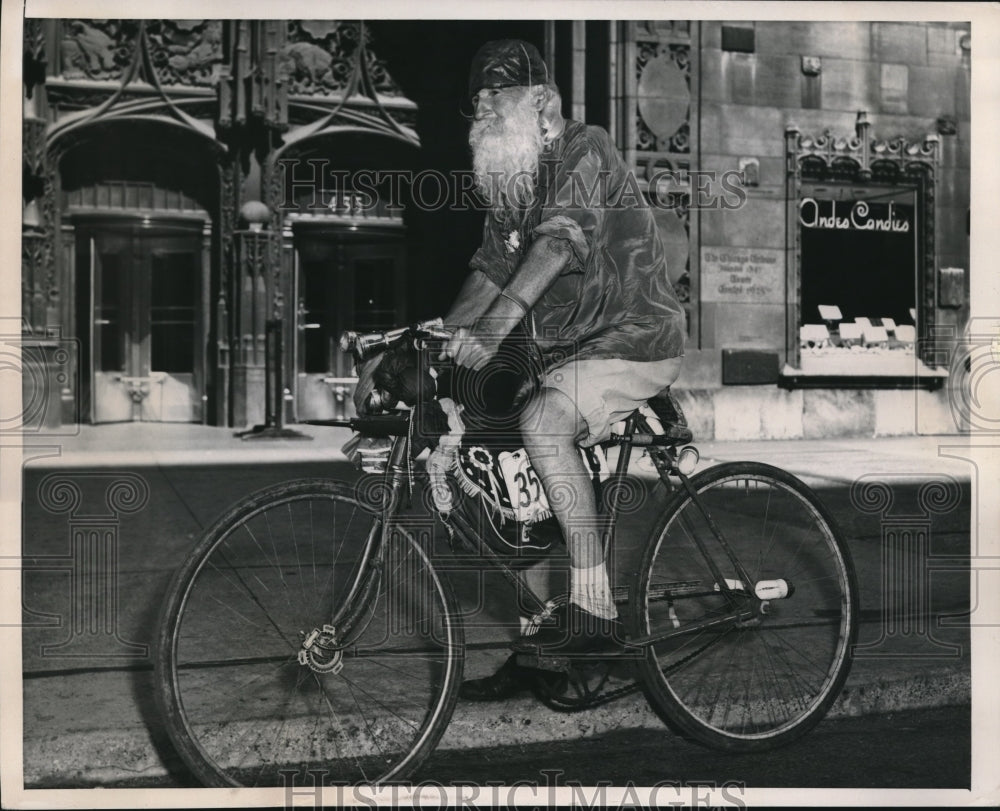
(505, 155)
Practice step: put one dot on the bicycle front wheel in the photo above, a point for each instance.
(256, 683)
(768, 677)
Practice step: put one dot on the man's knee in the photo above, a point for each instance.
(551, 414)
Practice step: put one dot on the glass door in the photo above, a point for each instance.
(147, 326)
(341, 285)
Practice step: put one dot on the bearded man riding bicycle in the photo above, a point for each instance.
(571, 249)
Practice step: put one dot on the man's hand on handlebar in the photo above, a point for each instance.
(472, 348)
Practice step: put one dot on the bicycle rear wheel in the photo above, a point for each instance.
(255, 685)
(763, 681)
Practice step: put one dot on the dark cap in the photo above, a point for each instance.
(507, 63)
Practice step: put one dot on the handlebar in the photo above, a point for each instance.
(365, 344)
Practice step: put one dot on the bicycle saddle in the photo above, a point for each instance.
(670, 415)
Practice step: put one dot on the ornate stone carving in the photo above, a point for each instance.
(319, 58)
(229, 180)
(47, 204)
(182, 52)
(33, 146)
(663, 109)
(664, 28)
(96, 49)
(34, 54)
(860, 154)
(186, 52)
(33, 254)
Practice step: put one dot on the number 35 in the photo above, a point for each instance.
(525, 478)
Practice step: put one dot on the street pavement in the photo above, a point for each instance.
(88, 713)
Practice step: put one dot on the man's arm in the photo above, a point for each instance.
(544, 261)
(474, 299)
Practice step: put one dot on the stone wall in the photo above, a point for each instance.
(912, 79)
(769, 412)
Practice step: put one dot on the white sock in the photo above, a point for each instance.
(590, 589)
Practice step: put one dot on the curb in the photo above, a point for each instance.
(111, 756)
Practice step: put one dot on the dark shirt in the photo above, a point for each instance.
(614, 298)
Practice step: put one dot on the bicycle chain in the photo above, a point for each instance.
(587, 704)
(624, 690)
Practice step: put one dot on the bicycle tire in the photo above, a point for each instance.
(754, 685)
(240, 706)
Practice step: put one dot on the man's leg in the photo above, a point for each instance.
(551, 427)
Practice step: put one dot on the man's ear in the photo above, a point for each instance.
(551, 115)
(539, 96)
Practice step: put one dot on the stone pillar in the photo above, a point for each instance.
(47, 357)
(253, 253)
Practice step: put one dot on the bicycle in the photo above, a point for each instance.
(311, 629)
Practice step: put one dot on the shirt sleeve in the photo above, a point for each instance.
(574, 210)
(490, 259)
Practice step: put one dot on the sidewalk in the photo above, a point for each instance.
(96, 727)
(172, 444)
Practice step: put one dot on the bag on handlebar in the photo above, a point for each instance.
(497, 492)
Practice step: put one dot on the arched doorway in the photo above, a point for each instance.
(140, 231)
(345, 206)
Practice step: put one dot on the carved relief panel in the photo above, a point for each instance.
(660, 139)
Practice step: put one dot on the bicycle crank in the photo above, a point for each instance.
(319, 651)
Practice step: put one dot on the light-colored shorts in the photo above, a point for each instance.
(607, 390)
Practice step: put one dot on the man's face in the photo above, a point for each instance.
(497, 104)
(506, 140)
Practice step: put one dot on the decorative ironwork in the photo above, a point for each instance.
(320, 55)
(859, 155)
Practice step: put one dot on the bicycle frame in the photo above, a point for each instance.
(637, 432)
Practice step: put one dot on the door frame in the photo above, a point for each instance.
(341, 237)
(87, 227)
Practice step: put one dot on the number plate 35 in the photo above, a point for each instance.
(523, 486)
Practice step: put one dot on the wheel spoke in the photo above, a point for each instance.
(241, 707)
(765, 679)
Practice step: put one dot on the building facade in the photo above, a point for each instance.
(194, 211)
